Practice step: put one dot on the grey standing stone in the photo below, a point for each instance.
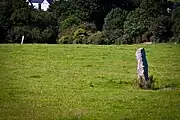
(142, 68)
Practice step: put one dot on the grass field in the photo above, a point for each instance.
(87, 82)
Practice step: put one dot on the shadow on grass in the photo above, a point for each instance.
(110, 83)
(168, 86)
(125, 83)
(35, 76)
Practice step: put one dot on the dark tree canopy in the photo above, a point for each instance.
(125, 21)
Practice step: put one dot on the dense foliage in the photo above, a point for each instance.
(90, 22)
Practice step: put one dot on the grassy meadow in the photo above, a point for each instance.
(87, 82)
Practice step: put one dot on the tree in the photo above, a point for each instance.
(62, 9)
(21, 17)
(175, 18)
(87, 10)
(161, 29)
(69, 21)
(11, 14)
(113, 24)
(137, 22)
(5, 13)
(96, 10)
(155, 7)
(135, 3)
(115, 19)
(126, 19)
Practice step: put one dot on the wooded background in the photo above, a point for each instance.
(90, 22)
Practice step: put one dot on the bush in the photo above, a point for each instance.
(146, 37)
(66, 36)
(154, 39)
(16, 33)
(65, 40)
(77, 33)
(36, 35)
(139, 39)
(80, 36)
(31, 35)
(113, 35)
(125, 39)
(97, 38)
(175, 39)
(89, 27)
(48, 36)
(68, 31)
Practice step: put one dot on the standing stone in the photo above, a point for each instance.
(142, 68)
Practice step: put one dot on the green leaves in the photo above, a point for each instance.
(115, 19)
(69, 21)
(21, 17)
(175, 18)
(137, 22)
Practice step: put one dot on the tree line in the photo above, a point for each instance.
(90, 22)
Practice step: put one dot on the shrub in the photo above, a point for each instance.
(48, 36)
(97, 38)
(65, 40)
(68, 31)
(126, 39)
(139, 39)
(16, 33)
(67, 35)
(113, 35)
(175, 39)
(89, 27)
(36, 35)
(31, 35)
(80, 36)
(146, 37)
(77, 33)
(154, 39)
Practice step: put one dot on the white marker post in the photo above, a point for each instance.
(22, 39)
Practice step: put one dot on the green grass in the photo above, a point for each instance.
(87, 82)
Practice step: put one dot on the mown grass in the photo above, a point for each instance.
(87, 82)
